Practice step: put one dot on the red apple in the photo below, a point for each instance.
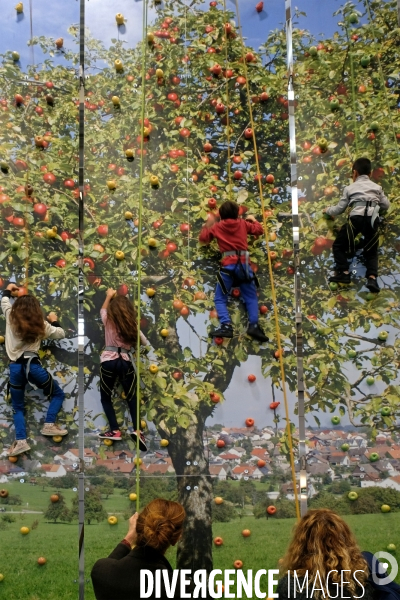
(61, 263)
(49, 178)
(220, 444)
(215, 398)
(68, 183)
(251, 378)
(40, 209)
(271, 510)
(218, 541)
(249, 422)
(102, 230)
(248, 133)
(270, 179)
(238, 175)
(263, 309)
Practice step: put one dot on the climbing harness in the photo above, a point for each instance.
(46, 387)
(129, 352)
(245, 277)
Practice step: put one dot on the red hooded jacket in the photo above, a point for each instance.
(231, 234)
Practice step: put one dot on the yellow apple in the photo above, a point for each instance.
(119, 18)
(132, 497)
(150, 292)
(152, 242)
(115, 100)
(111, 184)
(119, 255)
(154, 180)
(51, 233)
(118, 65)
(159, 73)
(108, 442)
(143, 424)
(1, 576)
(153, 369)
(24, 530)
(19, 8)
(128, 215)
(137, 461)
(129, 153)
(146, 131)
(2, 339)
(112, 520)
(164, 443)
(164, 332)
(150, 37)
(57, 438)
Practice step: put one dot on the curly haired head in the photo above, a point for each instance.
(160, 524)
(323, 542)
(26, 319)
(121, 313)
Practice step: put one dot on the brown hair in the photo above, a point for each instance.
(120, 312)
(27, 320)
(160, 524)
(229, 210)
(323, 542)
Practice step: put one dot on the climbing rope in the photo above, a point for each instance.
(273, 292)
(139, 245)
(228, 126)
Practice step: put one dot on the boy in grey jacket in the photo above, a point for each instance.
(365, 199)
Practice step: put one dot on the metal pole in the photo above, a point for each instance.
(81, 321)
(296, 260)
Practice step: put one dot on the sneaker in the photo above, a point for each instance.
(52, 429)
(257, 333)
(111, 435)
(142, 440)
(340, 278)
(18, 447)
(373, 286)
(225, 331)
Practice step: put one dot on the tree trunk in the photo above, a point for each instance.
(195, 494)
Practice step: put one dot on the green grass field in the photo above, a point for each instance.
(24, 579)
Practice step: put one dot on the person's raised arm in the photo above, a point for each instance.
(11, 290)
(383, 201)
(109, 295)
(253, 227)
(340, 207)
(206, 234)
(53, 329)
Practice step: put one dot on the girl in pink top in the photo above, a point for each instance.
(120, 328)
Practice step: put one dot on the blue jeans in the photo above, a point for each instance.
(43, 380)
(248, 292)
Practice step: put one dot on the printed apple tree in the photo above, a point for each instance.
(38, 245)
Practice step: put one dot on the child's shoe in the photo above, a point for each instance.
(225, 331)
(257, 333)
(340, 277)
(111, 435)
(18, 447)
(372, 285)
(142, 441)
(52, 429)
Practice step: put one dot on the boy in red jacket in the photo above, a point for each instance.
(231, 234)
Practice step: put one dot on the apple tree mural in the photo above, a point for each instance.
(196, 105)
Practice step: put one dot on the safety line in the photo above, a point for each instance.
(273, 292)
(228, 124)
(353, 92)
(139, 255)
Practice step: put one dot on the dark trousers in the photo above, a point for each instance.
(110, 371)
(344, 246)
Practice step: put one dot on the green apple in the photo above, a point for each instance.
(333, 285)
(345, 447)
(364, 62)
(383, 335)
(352, 353)
(391, 548)
(385, 508)
(374, 126)
(335, 420)
(352, 496)
(15, 55)
(4, 166)
(334, 104)
(313, 51)
(1, 576)
(370, 380)
(353, 18)
(374, 457)
(385, 411)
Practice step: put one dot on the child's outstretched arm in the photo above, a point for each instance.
(383, 201)
(253, 227)
(11, 290)
(340, 207)
(109, 295)
(206, 234)
(53, 329)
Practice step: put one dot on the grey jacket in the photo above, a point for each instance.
(362, 189)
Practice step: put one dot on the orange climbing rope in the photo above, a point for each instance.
(273, 292)
(228, 126)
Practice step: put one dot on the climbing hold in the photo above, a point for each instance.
(274, 405)
(218, 500)
(249, 422)
(251, 378)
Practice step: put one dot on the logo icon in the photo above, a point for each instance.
(381, 561)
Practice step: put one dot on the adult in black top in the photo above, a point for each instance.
(324, 547)
(150, 534)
